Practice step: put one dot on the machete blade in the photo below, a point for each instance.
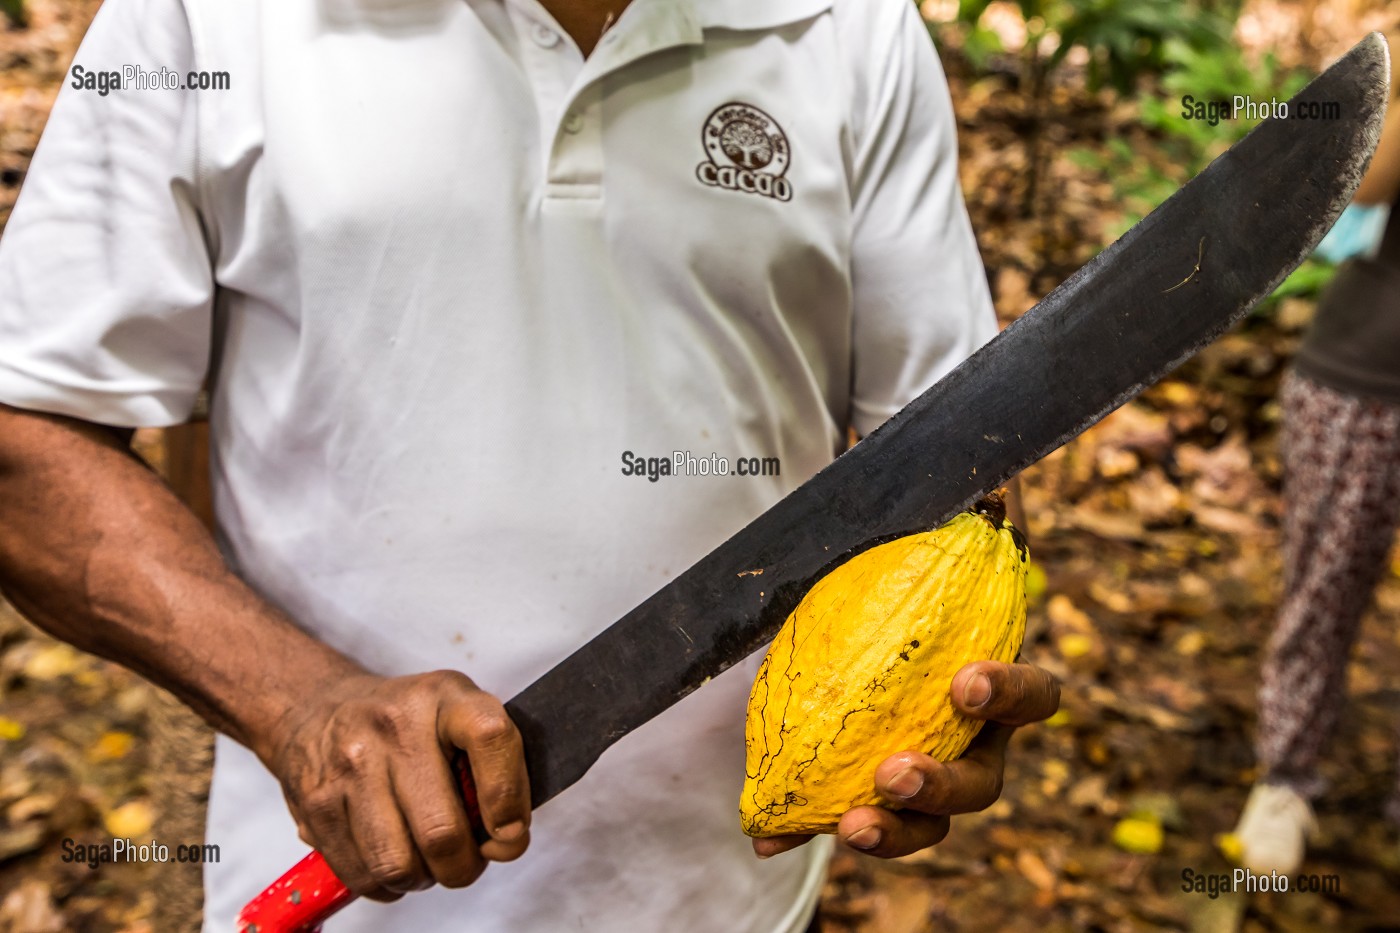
(1170, 285)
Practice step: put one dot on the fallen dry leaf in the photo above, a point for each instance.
(52, 662)
(1034, 870)
(29, 908)
(111, 746)
(130, 820)
(1138, 835)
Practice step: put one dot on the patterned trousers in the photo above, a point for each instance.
(1341, 487)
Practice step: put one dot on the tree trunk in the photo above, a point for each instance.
(182, 746)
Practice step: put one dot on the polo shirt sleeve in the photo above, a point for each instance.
(921, 302)
(105, 279)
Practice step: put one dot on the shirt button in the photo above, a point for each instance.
(573, 123)
(544, 37)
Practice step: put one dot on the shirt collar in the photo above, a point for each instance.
(754, 14)
(649, 26)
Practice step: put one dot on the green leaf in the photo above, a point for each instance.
(14, 11)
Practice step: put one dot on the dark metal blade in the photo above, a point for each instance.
(1166, 288)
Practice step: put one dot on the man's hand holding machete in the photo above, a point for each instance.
(97, 551)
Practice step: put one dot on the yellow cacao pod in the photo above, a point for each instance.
(863, 666)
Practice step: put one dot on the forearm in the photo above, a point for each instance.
(1381, 183)
(96, 550)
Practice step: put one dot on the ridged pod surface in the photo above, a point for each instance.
(863, 667)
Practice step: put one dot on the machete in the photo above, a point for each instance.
(1170, 285)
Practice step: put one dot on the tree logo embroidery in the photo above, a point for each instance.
(747, 150)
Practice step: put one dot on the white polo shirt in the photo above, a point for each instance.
(449, 274)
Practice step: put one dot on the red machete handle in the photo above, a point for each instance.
(302, 899)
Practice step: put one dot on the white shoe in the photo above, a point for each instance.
(1274, 829)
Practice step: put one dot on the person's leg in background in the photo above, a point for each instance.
(1341, 459)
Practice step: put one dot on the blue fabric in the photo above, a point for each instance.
(1356, 233)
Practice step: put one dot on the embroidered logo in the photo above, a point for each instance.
(747, 150)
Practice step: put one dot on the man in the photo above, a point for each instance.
(443, 265)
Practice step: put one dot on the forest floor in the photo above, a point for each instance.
(1157, 535)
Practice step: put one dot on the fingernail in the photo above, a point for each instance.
(511, 831)
(867, 838)
(906, 783)
(978, 690)
(763, 855)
